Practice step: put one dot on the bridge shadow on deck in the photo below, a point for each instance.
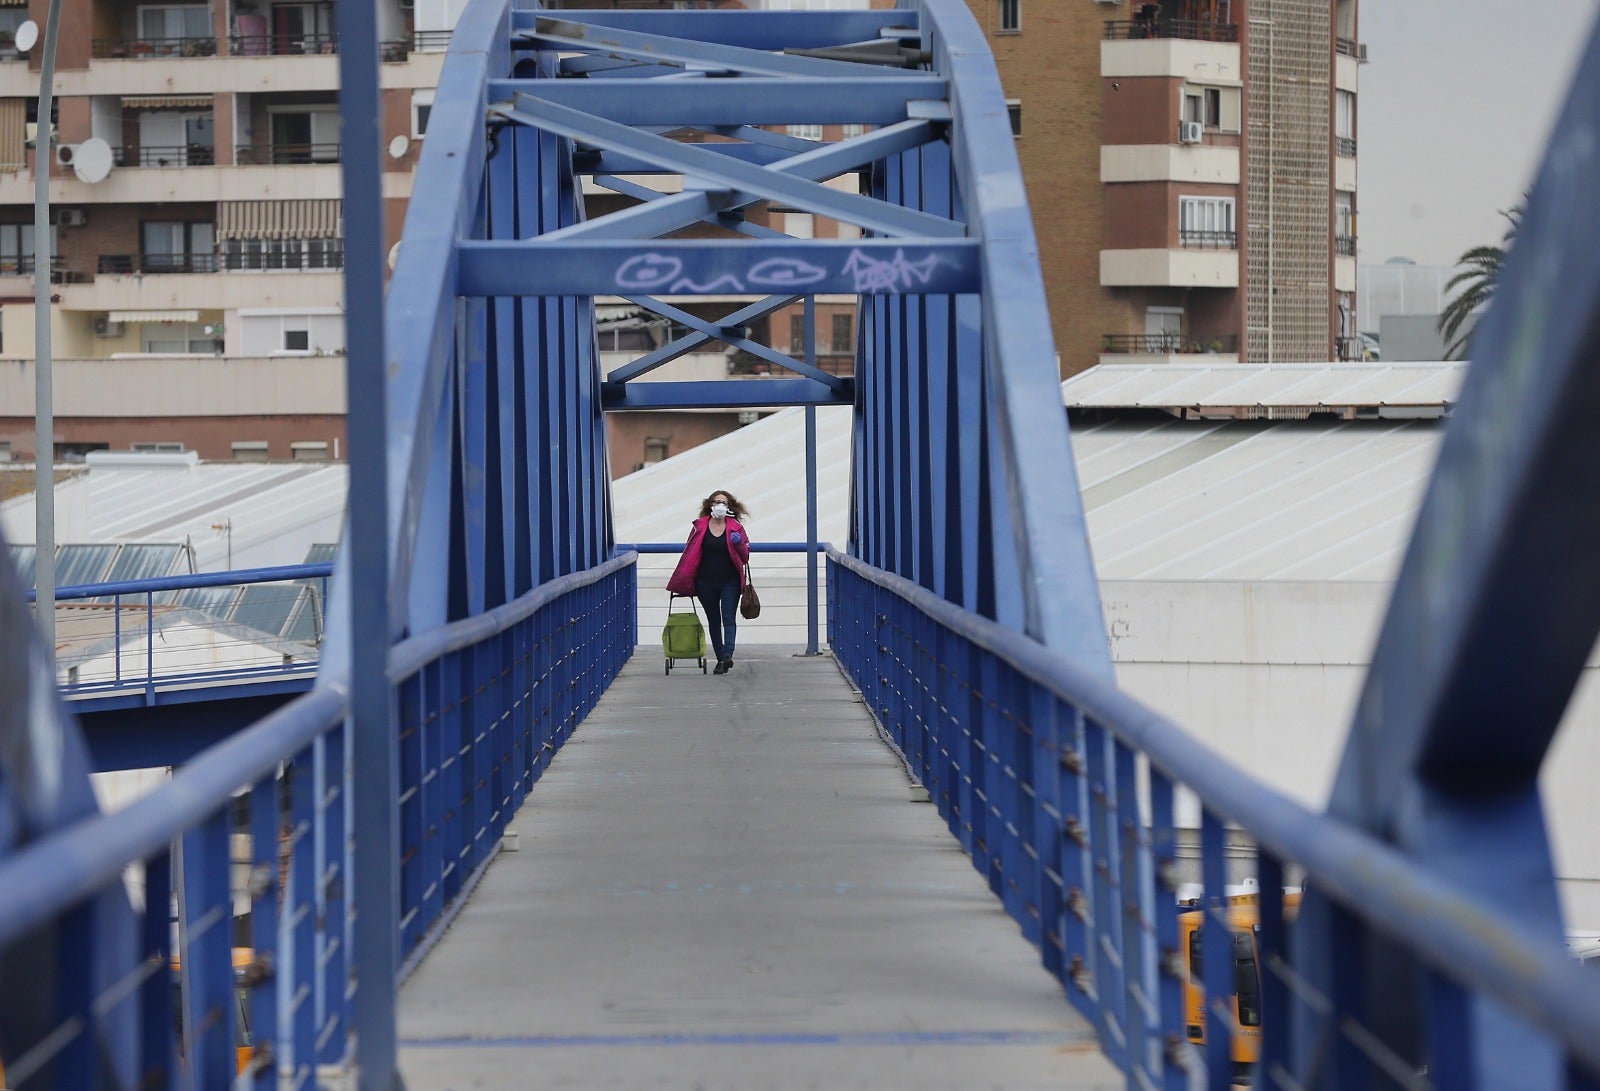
(723, 882)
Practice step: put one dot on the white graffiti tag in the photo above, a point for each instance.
(785, 273)
(872, 275)
(648, 271)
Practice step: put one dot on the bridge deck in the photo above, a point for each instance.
(723, 882)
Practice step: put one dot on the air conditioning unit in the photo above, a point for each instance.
(104, 327)
(72, 217)
(1190, 132)
(66, 153)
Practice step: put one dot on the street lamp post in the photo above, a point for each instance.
(44, 401)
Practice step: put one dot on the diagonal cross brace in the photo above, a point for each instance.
(674, 349)
(553, 33)
(723, 332)
(869, 214)
(816, 162)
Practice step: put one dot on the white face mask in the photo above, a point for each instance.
(719, 510)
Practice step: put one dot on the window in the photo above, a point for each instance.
(1010, 16)
(421, 107)
(844, 333)
(177, 339)
(1344, 125)
(16, 247)
(165, 447)
(296, 340)
(853, 131)
(797, 334)
(1206, 222)
(1014, 112)
(175, 246)
(164, 28)
(309, 451)
(1344, 224)
(5, 450)
(806, 132)
(800, 225)
(1212, 107)
(655, 449)
(250, 450)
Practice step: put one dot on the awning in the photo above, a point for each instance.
(163, 102)
(13, 133)
(153, 316)
(309, 219)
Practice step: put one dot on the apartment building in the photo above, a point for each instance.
(1192, 170)
(196, 211)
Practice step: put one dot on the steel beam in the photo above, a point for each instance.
(725, 394)
(751, 100)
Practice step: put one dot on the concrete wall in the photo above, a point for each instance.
(1410, 337)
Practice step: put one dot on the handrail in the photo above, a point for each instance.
(193, 579)
(411, 655)
(755, 547)
(1447, 927)
(66, 867)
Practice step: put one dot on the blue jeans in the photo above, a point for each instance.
(722, 614)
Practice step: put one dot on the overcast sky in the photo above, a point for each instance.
(1455, 108)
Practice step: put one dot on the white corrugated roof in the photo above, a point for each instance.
(274, 510)
(1169, 499)
(1311, 386)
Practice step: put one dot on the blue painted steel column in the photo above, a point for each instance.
(811, 486)
(375, 862)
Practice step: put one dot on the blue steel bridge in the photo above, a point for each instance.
(480, 609)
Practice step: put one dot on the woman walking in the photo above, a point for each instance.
(712, 569)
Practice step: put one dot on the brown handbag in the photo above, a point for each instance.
(749, 601)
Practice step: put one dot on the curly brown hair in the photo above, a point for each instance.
(735, 509)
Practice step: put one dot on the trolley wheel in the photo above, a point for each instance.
(669, 667)
(702, 666)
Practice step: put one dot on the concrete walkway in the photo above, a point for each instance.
(722, 882)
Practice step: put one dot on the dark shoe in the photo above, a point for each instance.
(721, 667)
(727, 665)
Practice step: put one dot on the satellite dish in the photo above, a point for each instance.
(394, 256)
(93, 161)
(399, 146)
(27, 36)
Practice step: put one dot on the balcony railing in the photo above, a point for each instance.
(282, 45)
(283, 154)
(1208, 240)
(139, 264)
(1344, 147)
(151, 48)
(1168, 344)
(21, 265)
(1347, 47)
(162, 155)
(243, 261)
(1196, 30)
(1344, 246)
(430, 41)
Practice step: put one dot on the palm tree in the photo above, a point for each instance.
(1478, 275)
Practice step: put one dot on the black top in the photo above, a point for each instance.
(716, 567)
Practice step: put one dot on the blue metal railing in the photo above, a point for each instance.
(483, 704)
(253, 624)
(1062, 790)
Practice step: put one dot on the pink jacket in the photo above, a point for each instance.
(682, 581)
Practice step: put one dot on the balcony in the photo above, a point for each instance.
(1193, 30)
(282, 45)
(330, 257)
(278, 155)
(1348, 47)
(21, 265)
(152, 48)
(1344, 147)
(143, 264)
(1344, 246)
(158, 155)
(1169, 344)
(1208, 240)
